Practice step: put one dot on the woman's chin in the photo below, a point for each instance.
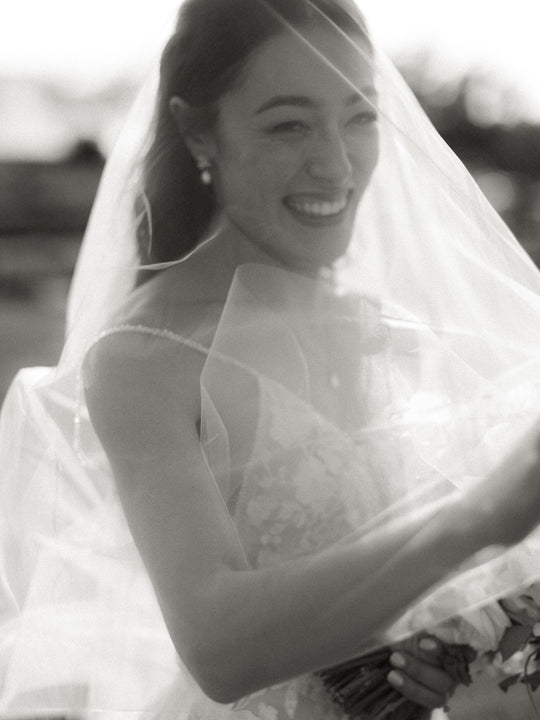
(317, 253)
(322, 241)
(326, 248)
(299, 246)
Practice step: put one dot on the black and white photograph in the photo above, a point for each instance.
(270, 360)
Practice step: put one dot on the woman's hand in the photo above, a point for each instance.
(418, 674)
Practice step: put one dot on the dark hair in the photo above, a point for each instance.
(202, 61)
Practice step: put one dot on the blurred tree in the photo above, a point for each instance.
(463, 114)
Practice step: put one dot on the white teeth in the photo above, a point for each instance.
(316, 208)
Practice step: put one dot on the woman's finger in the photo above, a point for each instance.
(420, 681)
(429, 649)
(432, 676)
(414, 691)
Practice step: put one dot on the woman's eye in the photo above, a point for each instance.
(364, 118)
(292, 127)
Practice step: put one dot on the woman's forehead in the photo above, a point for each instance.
(316, 62)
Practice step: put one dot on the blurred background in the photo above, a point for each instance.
(69, 70)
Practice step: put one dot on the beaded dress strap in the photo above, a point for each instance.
(175, 337)
(155, 332)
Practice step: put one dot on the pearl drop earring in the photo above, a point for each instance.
(203, 164)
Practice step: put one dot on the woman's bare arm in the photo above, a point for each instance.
(239, 629)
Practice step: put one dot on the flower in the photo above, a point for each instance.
(533, 591)
(482, 629)
(524, 607)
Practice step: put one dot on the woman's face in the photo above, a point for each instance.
(295, 146)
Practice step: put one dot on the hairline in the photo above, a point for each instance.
(240, 76)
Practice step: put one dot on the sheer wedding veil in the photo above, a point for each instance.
(427, 327)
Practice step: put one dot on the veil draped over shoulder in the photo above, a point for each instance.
(329, 406)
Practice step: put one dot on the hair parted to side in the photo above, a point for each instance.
(204, 59)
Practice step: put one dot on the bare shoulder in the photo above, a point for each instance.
(142, 393)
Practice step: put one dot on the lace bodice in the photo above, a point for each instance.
(308, 485)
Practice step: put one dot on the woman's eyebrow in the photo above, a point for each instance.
(306, 102)
(294, 100)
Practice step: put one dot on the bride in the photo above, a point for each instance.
(298, 393)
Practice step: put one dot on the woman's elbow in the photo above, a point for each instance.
(220, 649)
(222, 674)
(220, 690)
(220, 669)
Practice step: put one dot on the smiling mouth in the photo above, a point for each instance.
(317, 207)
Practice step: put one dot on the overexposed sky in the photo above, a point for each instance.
(498, 37)
(83, 46)
(83, 43)
(71, 36)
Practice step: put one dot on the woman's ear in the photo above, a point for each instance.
(200, 143)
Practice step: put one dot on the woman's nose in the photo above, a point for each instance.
(329, 159)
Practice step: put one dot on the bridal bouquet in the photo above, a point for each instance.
(502, 639)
